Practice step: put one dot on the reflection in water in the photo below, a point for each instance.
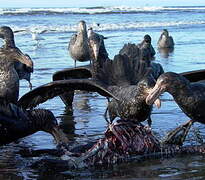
(82, 101)
(57, 176)
(67, 123)
(165, 52)
(11, 176)
(11, 163)
(76, 122)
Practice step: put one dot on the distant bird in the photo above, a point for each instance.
(165, 41)
(78, 45)
(146, 43)
(9, 54)
(35, 34)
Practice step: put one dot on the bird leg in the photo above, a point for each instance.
(30, 85)
(178, 135)
(106, 111)
(149, 121)
(75, 63)
(105, 116)
(67, 99)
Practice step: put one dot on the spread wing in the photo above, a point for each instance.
(75, 73)
(127, 68)
(122, 71)
(21, 30)
(131, 50)
(56, 88)
(157, 70)
(71, 73)
(194, 76)
(41, 32)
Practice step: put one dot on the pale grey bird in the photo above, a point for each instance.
(78, 46)
(165, 41)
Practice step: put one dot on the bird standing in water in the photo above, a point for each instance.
(146, 43)
(78, 46)
(165, 41)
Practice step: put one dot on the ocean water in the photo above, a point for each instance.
(121, 25)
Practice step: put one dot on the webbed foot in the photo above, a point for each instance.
(178, 135)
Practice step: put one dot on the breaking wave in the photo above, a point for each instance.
(99, 10)
(104, 27)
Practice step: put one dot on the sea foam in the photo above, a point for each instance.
(96, 10)
(104, 27)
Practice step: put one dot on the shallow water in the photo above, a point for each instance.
(121, 25)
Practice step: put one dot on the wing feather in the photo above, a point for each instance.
(194, 76)
(56, 88)
(75, 73)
